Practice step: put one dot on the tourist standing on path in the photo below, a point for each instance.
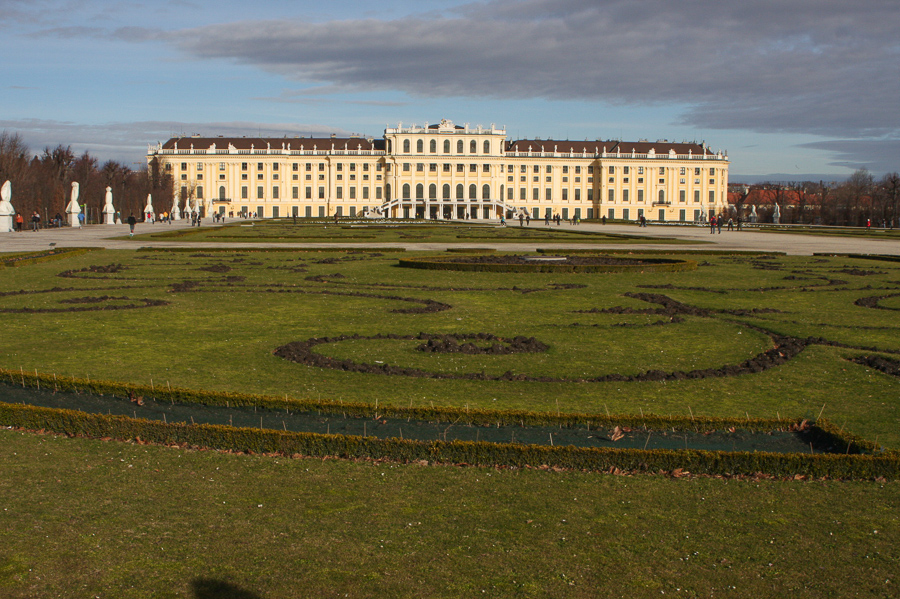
(131, 222)
(81, 220)
(35, 221)
(19, 222)
(719, 223)
(712, 224)
(521, 220)
(527, 220)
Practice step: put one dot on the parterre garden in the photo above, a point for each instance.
(741, 337)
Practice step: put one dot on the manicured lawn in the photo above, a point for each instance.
(86, 518)
(363, 232)
(92, 518)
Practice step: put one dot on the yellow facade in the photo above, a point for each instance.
(445, 171)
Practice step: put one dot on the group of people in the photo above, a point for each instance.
(716, 222)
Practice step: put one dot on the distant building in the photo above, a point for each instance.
(445, 171)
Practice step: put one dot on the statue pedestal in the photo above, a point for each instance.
(6, 223)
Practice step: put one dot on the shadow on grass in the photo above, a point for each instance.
(211, 588)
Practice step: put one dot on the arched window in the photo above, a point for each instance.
(487, 146)
(432, 192)
(406, 191)
(406, 146)
(446, 146)
(472, 191)
(662, 196)
(432, 146)
(221, 192)
(420, 191)
(445, 191)
(486, 192)
(473, 148)
(459, 147)
(387, 192)
(459, 190)
(420, 146)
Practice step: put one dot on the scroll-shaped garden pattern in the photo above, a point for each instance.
(758, 328)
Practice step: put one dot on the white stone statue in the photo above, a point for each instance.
(148, 209)
(74, 209)
(754, 217)
(109, 212)
(176, 211)
(6, 208)
(776, 216)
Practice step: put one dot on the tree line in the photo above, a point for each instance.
(43, 183)
(855, 202)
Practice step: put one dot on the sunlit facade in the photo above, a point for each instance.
(445, 171)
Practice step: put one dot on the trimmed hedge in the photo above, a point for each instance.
(471, 250)
(272, 249)
(251, 440)
(651, 265)
(666, 251)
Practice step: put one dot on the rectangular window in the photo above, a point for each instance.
(682, 215)
(681, 171)
(432, 168)
(352, 193)
(446, 168)
(712, 196)
(275, 166)
(640, 197)
(612, 213)
(260, 193)
(565, 195)
(352, 166)
(485, 168)
(696, 196)
(565, 169)
(536, 194)
(309, 193)
(460, 168)
(625, 170)
(321, 193)
(662, 170)
(549, 169)
(365, 193)
(682, 197)
(712, 172)
(309, 166)
(590, 195)
(577, 195)
(295, 167)
(522, 194)
(200, 166)
(339, 167)
(321, 166)
(624, 195)
(548, 194)
(405, 167)
(295, 193)
(420, 167)
(221, 166)
(612, 170)
(509, 193)
(473, 168)
(377, 193)
(612, 196)
(259, 166)
(339, 193)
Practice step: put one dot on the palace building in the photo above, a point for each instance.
(444, 171)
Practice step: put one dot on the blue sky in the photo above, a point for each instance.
(787, 87)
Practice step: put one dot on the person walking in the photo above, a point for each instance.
(131, 222)
(81, 220)
(35, 221)
(712, 224)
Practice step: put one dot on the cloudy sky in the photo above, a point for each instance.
(792, 87)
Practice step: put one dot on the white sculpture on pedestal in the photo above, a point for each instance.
(109, 212)
(74, 209)
(753, 215)
(6, 208)
(776, 216)
(176, 211)
(149, 214)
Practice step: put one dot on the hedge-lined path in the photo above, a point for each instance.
(110, 237)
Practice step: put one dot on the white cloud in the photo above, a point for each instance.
(829, 68)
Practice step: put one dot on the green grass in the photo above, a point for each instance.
(85, 518)
(92, 518)
(305, 231)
